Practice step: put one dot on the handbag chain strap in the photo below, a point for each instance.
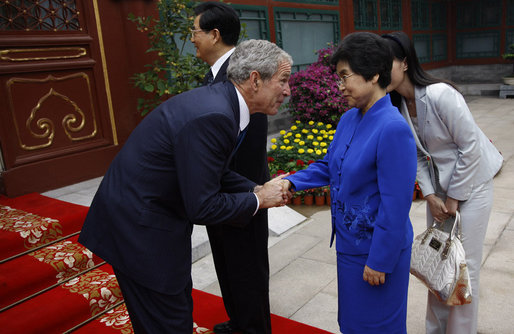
(456, 230)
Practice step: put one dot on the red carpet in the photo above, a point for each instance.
(74, 291)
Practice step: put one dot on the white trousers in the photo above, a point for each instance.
(463, 319)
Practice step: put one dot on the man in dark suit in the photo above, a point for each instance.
(240, 253)
(172, 173)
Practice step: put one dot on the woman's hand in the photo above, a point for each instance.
(437, 208)
(452, 205)
(373, 277)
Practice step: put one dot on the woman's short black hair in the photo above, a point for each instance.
(367, 54)
(218, 15)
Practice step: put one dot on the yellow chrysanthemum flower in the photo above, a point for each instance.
(273, 140)
(289, 148)
(315, 143)
(294, 127)
(286, 141)
(305, 131)
(310, 150)
(325, 151)
(311, 122)
(298, 122)
(301, 151)
(302, 143)
(273, 147)
(314, 130)
(320, 124)
(331, 137)
(310, 137)
(318, 152)
(319, 138)
(298, 135)
(323, 144)
(296, 140)
(282, 132)
(329, 126)
(282, 147)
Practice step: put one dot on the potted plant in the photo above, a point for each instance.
(319, 196)
(308, 197)
(326, 190)
(509, 79)
(297, 198)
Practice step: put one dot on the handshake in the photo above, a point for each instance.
(274, 193)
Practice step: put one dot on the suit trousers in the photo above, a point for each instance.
(242, 266)
(463, 319)
(154, 312)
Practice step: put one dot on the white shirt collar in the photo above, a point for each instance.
(215, 68)
(244, 112)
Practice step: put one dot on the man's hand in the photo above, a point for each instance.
(273, 193)
(373, 277)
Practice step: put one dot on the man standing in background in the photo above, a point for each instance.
(240, 253)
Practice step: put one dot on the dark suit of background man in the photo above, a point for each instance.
(240, 253)
(172, 173)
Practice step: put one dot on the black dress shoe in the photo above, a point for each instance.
(225, 328)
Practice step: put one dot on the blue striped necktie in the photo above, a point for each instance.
(240, 138)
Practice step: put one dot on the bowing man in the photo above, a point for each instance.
(172, 173)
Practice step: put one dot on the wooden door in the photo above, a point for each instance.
(56, 120)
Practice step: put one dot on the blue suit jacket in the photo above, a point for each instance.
(171, 173)
(371, 168)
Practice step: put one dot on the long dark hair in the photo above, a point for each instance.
(403, 48)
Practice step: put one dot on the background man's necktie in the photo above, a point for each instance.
(209, 78)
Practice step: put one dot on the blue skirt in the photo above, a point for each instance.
(372, 309)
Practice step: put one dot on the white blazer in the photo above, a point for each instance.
(463, 155)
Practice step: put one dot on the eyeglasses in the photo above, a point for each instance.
(194, 31)
(342, 79)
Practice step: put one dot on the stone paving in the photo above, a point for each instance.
(303, 267)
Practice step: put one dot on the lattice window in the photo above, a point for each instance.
(422, 46)
(439, 46)
(302, 32)
(478, 14)
(420, 15)
(256, 20)
(438, 15)
(510, 12)
(478, 44)
(319, 2)
(365, 14)
(42, 15)
(509, 38)
(391, 14)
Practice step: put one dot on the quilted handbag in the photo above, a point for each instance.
(439, 261)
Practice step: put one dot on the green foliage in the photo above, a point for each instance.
(173, 71)
(510, 54)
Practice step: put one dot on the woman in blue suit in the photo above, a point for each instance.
(371, 169)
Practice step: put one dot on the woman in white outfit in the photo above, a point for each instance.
(466, 162)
